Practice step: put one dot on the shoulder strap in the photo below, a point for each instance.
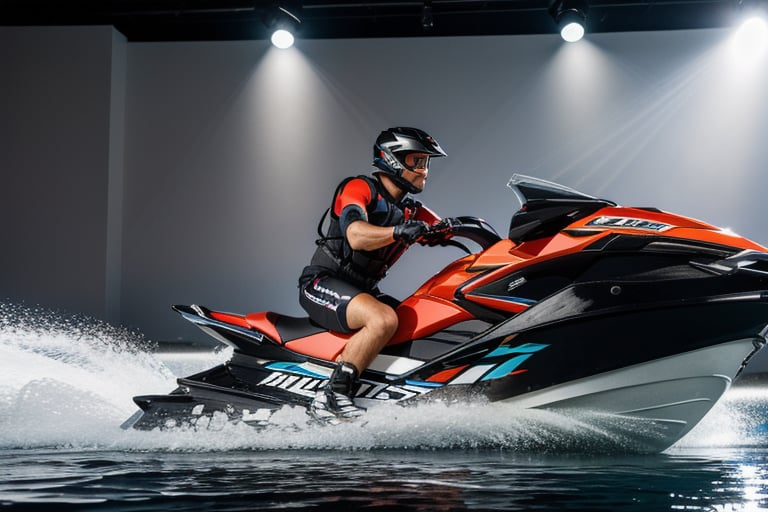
(320, 224)
(373, 185)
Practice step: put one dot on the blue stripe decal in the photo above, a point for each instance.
(424, 384)
(295, 368)
(507, 298)
(525, 348)
(505, 368)
(520, 300)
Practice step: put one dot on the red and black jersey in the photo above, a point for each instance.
(362, 198)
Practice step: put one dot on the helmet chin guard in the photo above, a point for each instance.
(401, 182)
(391, 147)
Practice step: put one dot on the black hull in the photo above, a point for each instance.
(591, 346)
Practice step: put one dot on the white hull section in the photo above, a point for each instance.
(667, 397)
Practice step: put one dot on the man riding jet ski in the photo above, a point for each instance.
(372, 222)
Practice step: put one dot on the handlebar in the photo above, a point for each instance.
(472, 228)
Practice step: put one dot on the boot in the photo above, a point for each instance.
(334, 401)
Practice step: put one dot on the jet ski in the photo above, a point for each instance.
(624, 312)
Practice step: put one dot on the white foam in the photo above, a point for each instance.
(70, 380)
(69, 383)
(739, 419)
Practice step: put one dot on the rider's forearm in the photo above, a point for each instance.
(363, 236)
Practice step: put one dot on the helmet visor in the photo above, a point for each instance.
(416, 162)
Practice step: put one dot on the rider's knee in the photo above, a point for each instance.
(384, 320)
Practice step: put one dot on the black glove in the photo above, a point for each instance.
(446, 226)
(410, 231)
(440, 232)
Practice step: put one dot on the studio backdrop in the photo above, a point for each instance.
(141, 175)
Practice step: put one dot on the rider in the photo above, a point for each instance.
(373, 222)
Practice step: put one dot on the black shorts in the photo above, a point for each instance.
(325, 298)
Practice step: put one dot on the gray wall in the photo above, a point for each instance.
(61, 99)
(232, 151)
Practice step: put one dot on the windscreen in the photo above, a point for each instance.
(528, 189)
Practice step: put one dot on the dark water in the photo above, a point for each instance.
(65, 387)
(67, 479)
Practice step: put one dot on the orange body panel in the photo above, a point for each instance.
(262, 322)
(497, 254)
(443, 284)
(562, 243)
(230, 318)
(681, 227)
(638, 213)
(422, 316)
(716, 237)
(419, 317)
(325, 345)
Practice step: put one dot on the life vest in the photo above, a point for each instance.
(362, 268)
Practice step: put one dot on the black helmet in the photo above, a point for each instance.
(393, 144)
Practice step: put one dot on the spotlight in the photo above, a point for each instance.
(751, 38)
(283, 25)
(571, 19)
(571, 24)
(282, 38)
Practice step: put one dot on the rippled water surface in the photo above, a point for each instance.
(66, 385)
(380, 480)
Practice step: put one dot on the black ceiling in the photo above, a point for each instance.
(189, 20)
